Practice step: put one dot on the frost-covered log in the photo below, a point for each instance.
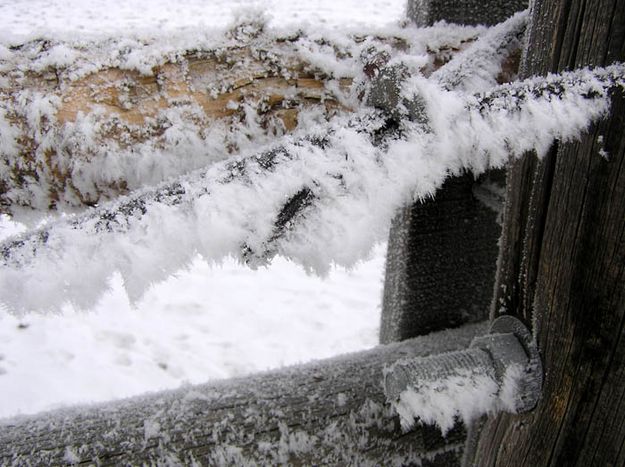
(327, 413)
(80, 123)
(84, 120)
(326, 198)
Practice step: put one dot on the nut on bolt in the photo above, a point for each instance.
(508, 347)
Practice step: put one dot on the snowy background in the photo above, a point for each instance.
(204, 323)
(34, 18)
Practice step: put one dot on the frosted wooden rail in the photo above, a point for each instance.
(508, 98)
(329, 412)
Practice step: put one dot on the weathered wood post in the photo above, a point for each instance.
(562, 261)
(441, 259)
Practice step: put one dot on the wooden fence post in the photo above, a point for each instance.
(441, 258)
(562, 261)
(440, 264)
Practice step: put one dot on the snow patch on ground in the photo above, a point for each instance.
(79, 18)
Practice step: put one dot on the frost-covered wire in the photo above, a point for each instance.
(323, 199)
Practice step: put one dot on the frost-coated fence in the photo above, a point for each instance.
(321, 198)
(325, 198)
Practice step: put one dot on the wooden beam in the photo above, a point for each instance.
(330, 412)
(66, 120)
(441, 261)
(563, 261)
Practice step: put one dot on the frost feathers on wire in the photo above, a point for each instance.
(328, 198)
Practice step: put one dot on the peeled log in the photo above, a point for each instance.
(73, 136)
(81, 123)
(135, 98)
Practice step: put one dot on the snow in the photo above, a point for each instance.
(80, 18)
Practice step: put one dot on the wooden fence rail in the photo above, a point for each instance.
(329, 412)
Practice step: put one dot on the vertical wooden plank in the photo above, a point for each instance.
(563, 261)
(441, 263)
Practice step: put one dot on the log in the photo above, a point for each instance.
(324, 413)
(119, 114)
(563, 261)
(71, 121)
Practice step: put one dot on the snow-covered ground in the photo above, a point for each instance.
(29, 18)
(207, 322)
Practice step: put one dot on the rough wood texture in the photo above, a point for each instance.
(135, 98)
(440, 263)
(327, 413)
(443, 277)
(563, 261)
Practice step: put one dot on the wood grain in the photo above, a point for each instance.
(563, 261)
